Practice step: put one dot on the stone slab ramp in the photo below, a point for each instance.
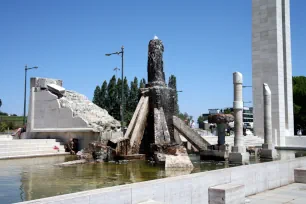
(191, 136)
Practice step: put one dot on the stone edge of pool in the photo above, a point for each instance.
(191, 188)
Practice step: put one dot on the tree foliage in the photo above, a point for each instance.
(299, 99)
(108, 97)
(172, 84)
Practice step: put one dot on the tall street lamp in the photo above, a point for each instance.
(122, 87)
(26, 68)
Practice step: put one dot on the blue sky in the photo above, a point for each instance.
(205, 42)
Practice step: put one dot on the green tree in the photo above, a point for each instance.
(185, 117)
(227, 111)
(96, 97)
(133, 97)
(112, 102)
(299, 98)
(172, 84)
(142, 83)
(103, 96)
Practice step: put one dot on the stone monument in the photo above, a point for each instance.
(238, 154)
(271, 64)
(151, 130)
(57, 113)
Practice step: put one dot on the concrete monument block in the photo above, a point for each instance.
(271, 63)
(226, 194)
(300, 175)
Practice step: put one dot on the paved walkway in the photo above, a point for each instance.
(291, 194)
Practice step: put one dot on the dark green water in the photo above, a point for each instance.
(34, 178)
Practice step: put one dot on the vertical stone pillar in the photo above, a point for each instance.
(268, 150)
(221, 134)
(238, 112)
(238, 154)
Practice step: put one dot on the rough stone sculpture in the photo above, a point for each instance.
(151, 130)
(222, 120)
(219, 151)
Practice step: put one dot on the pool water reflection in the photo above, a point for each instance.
(34, 178)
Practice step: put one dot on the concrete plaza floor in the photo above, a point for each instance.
(291, 194)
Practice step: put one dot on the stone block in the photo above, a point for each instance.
(300, 175)
(226, 194)
(214, 155)
(239, 158)
(56, 89)
(268, 154)
(202, 181)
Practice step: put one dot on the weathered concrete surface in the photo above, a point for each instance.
(271, 63)
(134, 118)
(194, 138)
(292, 193)
(226, 194)
(62, 114)
(220, 118)
(300, 175)
(140, 126)
(71, 110)
(161, 132)
(156, 75)
(193, 188)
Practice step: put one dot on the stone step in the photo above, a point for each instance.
(12, 145)
(32, 152)
(29, 141)
(16, 149)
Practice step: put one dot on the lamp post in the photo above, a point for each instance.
(122, 87)
(26, 68)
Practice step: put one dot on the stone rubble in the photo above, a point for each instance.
(96, 117)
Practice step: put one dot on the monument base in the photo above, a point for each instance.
(239, 158)
(219, 155)
(268, 154)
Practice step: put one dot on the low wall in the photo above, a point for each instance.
(83, 137)
(192, 188)
(295, 141)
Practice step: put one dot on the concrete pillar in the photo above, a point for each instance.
(238, 154)
(221, 133)
(268, 150)
(238, 112)
(267, 115)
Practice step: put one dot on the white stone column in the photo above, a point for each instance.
(268, 150)
(238, 113)
(267, 116)
(238, 154)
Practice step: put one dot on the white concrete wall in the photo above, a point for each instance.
(189, 189)
(271, 64)
(48, 114)
(296, 141)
